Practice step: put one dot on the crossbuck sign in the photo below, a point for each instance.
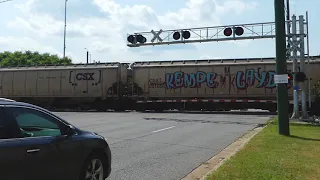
(156, 35)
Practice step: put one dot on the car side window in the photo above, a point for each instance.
(33, 123)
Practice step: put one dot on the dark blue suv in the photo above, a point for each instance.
(35, 144)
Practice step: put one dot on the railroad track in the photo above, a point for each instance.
(237, 112)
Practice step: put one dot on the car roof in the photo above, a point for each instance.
(5, 101)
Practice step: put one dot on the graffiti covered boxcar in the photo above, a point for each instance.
(211, 84)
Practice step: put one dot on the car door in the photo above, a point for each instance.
(39, 132)
(11, 152)
(50, 152)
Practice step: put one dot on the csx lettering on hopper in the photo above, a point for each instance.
(85, 76)
(188, 85)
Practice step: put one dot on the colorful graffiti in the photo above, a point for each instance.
(250, 76)
(191, 80)
(241, 80)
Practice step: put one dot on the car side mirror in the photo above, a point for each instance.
(70, 130)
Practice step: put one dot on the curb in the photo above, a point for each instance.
(219, 159)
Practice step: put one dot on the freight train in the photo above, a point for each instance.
(211, 84)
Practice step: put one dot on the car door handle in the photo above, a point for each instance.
(33, 150)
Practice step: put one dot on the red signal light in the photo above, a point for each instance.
(239, 31)
(186, 34)
(176, 35)
(227, 32)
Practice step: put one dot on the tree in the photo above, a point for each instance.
(28, 58)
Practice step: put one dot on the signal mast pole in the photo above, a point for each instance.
(292, 30)
(282, 91)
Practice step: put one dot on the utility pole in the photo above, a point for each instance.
(281, 66)
(65, 28)
(87, 57)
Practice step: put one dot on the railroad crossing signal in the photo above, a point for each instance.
(185, 35)
(139, 39)
(203, 34)
(300, 76)
(238, 30)
(290, 78)
(136, 38)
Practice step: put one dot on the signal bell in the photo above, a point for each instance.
(177, 35)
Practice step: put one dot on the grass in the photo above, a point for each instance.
(271, 156)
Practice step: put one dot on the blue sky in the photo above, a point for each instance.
(102, 26)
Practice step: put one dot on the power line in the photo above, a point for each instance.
(5, 1)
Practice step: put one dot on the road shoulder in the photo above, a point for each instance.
(215, 162)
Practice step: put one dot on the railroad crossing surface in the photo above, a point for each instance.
(162, 146)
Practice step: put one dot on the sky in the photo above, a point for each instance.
(102, 26)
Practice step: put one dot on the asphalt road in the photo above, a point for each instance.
(163, 146)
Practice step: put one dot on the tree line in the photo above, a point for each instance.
(29, 58)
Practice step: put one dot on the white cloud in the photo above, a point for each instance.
(107, 35)
(235, 6)
(23, 44)
(27, 6)
(43, 25)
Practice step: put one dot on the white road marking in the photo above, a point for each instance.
(163, 129)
